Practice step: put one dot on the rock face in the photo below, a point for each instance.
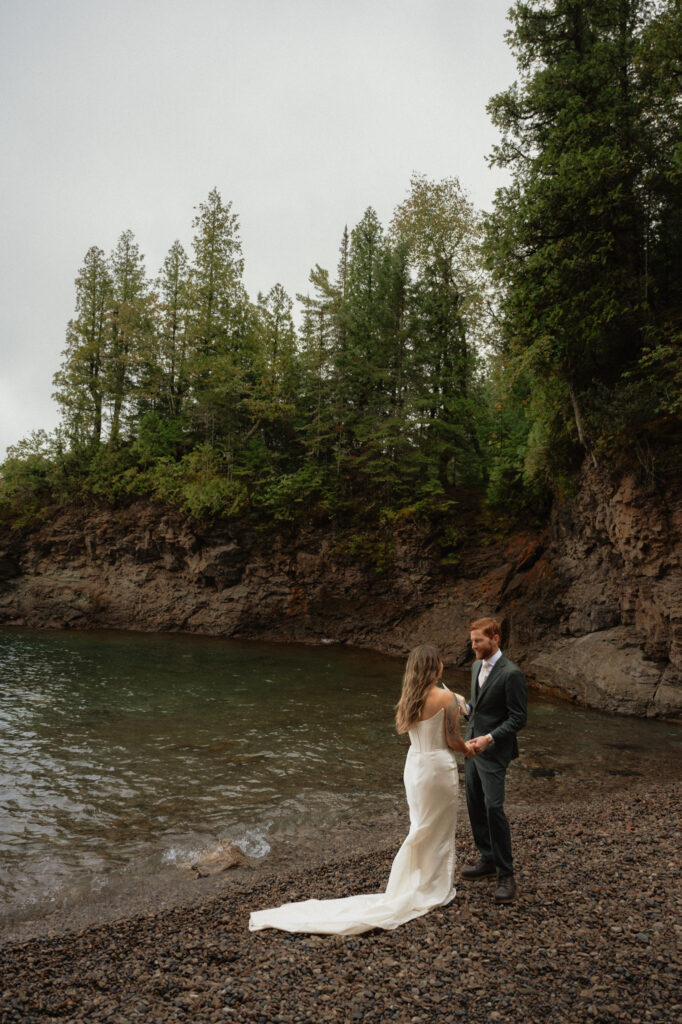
(616, 552)
(591, 608)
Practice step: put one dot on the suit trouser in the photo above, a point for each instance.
(485, 803)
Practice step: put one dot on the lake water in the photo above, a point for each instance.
(123, 756)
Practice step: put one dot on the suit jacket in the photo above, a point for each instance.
(499, 709)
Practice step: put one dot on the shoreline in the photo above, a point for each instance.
(124, 898)
(591, 936)
(181, 888)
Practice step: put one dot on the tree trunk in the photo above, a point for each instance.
(582, 436)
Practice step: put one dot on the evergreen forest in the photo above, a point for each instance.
(453, 361)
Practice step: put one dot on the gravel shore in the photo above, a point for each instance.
(593, 936)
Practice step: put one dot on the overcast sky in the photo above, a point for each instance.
(118, 114)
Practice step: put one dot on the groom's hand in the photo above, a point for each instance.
(479, 744)
(470, 751)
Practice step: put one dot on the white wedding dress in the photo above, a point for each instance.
(422, 874)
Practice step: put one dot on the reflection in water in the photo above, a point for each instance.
(123, 754)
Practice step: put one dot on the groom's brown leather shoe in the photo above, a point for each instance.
(506, 889)
(481, 869)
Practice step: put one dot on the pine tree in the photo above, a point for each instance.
(270, 402)
(216, 275)
(319, 334)
(276, 344)
(365, 365)
(171, 330)
(79, 383)
(129, 323)
(221, 324)
(440, 235)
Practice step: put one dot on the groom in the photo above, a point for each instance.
(496, 712)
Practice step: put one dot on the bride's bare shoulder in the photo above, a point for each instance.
(435, 700)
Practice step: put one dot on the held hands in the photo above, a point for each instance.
(453, 711)
(477, 745)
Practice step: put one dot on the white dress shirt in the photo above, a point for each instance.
(487, 666)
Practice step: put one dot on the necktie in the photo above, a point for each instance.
(484, 673)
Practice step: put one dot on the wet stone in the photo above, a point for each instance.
(590, 937)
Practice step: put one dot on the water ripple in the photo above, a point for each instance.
(123, 755)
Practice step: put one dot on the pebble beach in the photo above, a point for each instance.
(593, 936)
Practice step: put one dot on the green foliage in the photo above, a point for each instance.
(165, 377)
(26, 478)
(372, 549)
(200, 484)
(659, 375)
(641, 418)
(158, 437)
(585, 241)
(391, 402)
(379, 410)
(430, 504)
(291, 496)
(128, 325)
(114, 476)
(80, 386)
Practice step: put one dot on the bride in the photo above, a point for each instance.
(422, 874)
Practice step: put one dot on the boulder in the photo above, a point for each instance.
(222, 857)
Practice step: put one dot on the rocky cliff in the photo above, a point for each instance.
(591, 607)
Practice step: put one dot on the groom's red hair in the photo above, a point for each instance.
(490, 627)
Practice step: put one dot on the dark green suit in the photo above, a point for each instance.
(499, 709)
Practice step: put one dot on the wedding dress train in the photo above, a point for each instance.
(422, 874)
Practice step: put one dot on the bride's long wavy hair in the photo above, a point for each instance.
(421, 672)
